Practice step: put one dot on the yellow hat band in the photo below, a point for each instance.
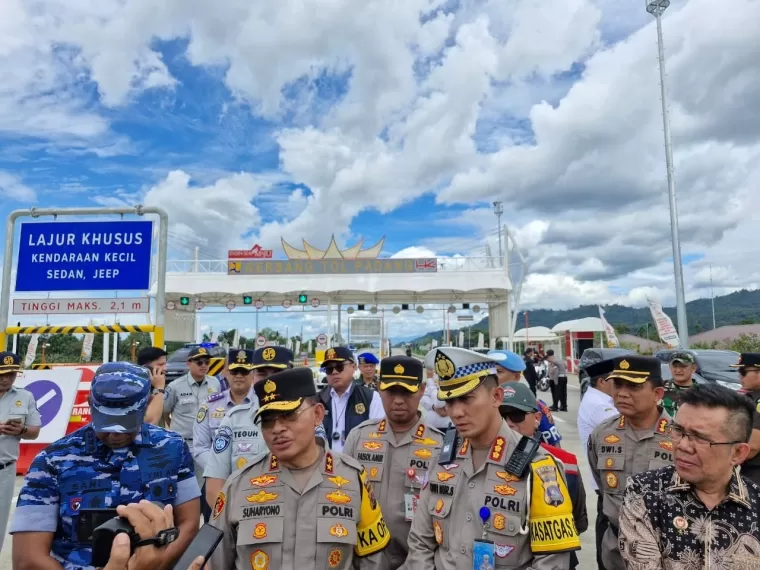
(451, 392)
(413, 388)
(624, 376)
(286, 406)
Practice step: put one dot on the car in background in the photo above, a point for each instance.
(712, 365)
(176, 362)
(592, 356)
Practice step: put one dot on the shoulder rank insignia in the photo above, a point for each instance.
(621, 422)
(328, 463)
(274, 465)
(216, 396)
(420, 431)
(381, 426)
(662, 426)
(497, 450)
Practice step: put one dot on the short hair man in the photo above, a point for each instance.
(368, 370)
(701, 510)
(115, 460)
(297, 506)
(682, 365)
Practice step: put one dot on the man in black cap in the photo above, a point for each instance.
(682, 367)
(596, 406)
(19, 419)
(396, 450)
(346, 404)
(749, 371)
(632, 442)
(298, 506)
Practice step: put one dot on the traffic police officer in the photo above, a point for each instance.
(396, 450)
(682, 369)
(632, 442)
(368, 370)
(185, 395)
(297, 506)
(19, 419)
(114, 460)
(491, 494)
(520, 410)
(749, 371)
(238, 439)
(211, 414)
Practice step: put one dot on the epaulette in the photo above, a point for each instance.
(435, 430)
(369, 422)
(350, 461)
(215, 397)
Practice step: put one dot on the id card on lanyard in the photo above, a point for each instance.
(483, 555)
(412, 496)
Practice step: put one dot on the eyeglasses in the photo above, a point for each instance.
(240, 372)
(516, 416)
(202, 362)
(334, 368)
(286, 418)
(677, 433)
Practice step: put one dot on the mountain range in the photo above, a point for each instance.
(740, 307)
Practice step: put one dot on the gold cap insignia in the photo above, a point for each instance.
(398, 369)
(268, 354)
(330, 354)
(8, 360)
(444, 367)
(202, 350)
(270, 387)
(241, 356)
(624, 365)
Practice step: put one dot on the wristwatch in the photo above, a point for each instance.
(157, 391)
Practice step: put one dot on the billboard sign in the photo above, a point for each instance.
(256, 252)
(333, 266)
(84, 256)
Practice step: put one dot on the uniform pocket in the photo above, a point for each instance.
(336, 538)
(612, 474)
(261, 541)
(440, 508)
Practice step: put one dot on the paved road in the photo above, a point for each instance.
(566, 425)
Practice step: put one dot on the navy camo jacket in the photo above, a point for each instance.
(79, 472)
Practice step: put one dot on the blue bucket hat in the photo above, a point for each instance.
(507, 359)
(119, 396)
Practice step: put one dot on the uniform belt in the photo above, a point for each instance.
(6, 464)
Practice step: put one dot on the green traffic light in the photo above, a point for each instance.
(247, 300)
(184, 300)
(302, 298)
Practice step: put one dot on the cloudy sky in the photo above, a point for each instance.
(248, 121)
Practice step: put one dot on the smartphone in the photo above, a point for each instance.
(204, 544)
(16, 420)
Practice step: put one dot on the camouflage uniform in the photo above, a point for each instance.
(79, 471)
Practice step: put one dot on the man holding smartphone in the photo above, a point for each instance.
(19, 419)
(154, 359)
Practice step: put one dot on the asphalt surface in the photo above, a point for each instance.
(565, 424)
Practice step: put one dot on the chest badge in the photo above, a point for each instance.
(667, 445)
(338, 497)
(241, 462)
(338, 530)
(611, 439)
(438, 532)
(359, 408)
(444, 476)
(338, 481)
(439, 506)
(425, 441)
(260, 531)
(259, 560)
(334, 558)
(262, 497)
(612, 480)
(680, 523)
(423, 453)
(506, 490)
(499, 521)
(609, 463)
(508, 477)
(372, 445)
(263, 480)
(373, 471)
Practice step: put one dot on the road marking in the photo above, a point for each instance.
(558, 419)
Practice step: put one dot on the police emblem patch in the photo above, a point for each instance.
(260, 531)
(259, 560)
(240, 463)
(438, 532)
(503, 550)
(373, 471)
(359, 408)
(8, 360)
(268, 354)
(612, 480)
(75, 503)
(201, 413)
(222, 441)
(338, 530)
(221, 500)
(499, 521)
(439, 505)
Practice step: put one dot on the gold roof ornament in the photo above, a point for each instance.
(332, 251)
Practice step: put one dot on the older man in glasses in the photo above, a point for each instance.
(298, 506)
(700, 513)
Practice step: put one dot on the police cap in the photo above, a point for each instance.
(338, 354)
(748, 360)
(403, 371)
(9, 362)
(198, 352)
(241, 358)
(284, 391)
(637, 369)
(273, 357)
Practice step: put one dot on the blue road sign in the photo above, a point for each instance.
(84, 256)
(49, 399)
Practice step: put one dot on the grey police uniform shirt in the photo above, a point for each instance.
(616, 452)
(395, 469)
(238, 440)
(16, 402)
(208, 420)
(183, 398)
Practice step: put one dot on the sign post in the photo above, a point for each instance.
(85, 256)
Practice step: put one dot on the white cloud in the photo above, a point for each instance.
(12, 188)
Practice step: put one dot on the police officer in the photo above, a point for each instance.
(596, 406)
(632, 442)
(346, 404)
(114, 460)
(682, 369)
(238, 439)
(520, 410)
(297, 506)
(509, 369)
(485, 497)
(749, 372)
(368, 370)
(211, 414)
(396, 450)
(19, 419)
(185, 395)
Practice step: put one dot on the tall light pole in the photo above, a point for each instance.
(656, 8)
(498, 209)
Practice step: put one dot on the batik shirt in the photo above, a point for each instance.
(665, 526)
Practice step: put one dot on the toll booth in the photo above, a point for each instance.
(578, 335)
